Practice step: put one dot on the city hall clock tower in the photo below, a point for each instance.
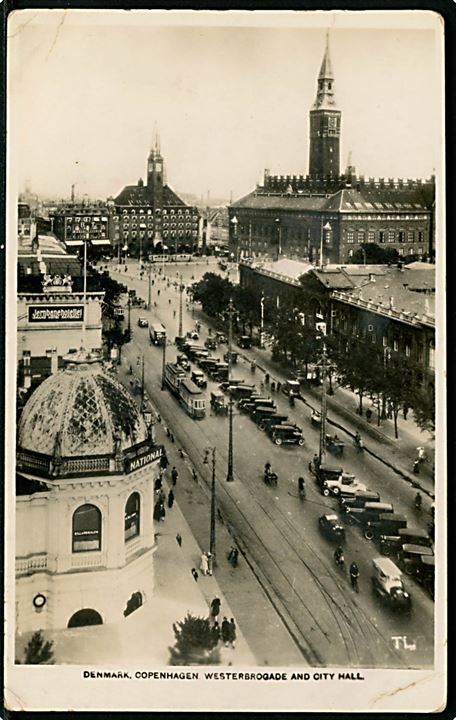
(325, 120)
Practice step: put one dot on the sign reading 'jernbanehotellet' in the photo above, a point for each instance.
(56, 313)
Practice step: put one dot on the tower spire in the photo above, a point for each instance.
(325, 88)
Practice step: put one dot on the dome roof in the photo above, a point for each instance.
(81, 411)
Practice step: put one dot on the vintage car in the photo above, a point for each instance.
(324, 472)
(286, 434)
(387, 524)
(425, 573)
(410, 558)
(392, 544)
(261, 412)
(183, 362)
(210, 343)
(240, 391)
(359, 500)
(276, 419)
(388, 586)
(251, 404)
(230, 383)
(369, 511)
(335, 445)
(199, 379)
(207, 363)
(331, 526)
(315, 418)
(291, 388)
(221, 338)
(218, 403)
(143, 322)
(344, 485)
(234, 357)
(245, 341)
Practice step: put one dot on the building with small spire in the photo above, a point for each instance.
(151, 217)
(325, 216)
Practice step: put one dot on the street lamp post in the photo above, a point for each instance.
(262, 321)
(212, 540)
(234, 222)
(163, 365)
(181, 287)
(149, 287)
(229, 476)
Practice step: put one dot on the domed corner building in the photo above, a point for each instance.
(86, 466)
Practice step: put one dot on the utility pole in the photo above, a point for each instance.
(180, 305)
(163, 365)
(322, 452)
(142, 384)
(212, 549)
(230, 477)
(262, 321)
(149, 288)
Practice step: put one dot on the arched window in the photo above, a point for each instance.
(86, 529)
(132, 516)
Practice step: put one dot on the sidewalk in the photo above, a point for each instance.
(397, 454)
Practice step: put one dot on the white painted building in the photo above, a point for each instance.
(86, 467)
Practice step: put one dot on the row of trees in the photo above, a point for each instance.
(393, 382)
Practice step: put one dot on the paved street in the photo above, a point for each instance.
(277, 532)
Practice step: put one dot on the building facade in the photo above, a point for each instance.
(325, 216)
(76, 223)
(86, 466)
(151, 217)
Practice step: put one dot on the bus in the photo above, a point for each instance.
(157, 333)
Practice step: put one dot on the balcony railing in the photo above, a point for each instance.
(31, 564)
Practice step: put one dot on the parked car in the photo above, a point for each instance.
(335, 445)
(218, 403)
(276, 419)
(183, 362)
(358, 500)
(199, 379)
(324, 472)
(221, 338)
(240, 391)
(425, 573)
(345, 485)
(369, 511)
(392, 544)
(286, 434)
(261, 412)
(229, 383)
(143, 322)
(234, 357)
(331, 527)
(388, 586)
(210, 343)
(258, 402)
(387, 524)
(410, 558)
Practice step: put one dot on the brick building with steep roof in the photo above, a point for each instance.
(325, 216)
(151, 216)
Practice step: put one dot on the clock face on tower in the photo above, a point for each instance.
(158, 167)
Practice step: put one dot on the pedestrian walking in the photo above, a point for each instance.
(157, 511)
(204, 564)
(164, 462)
(210, 561)
(179, 539)
(174, 475)
(215, 632)
(225, 632)
(195, 574)
(158, 484)
(215, 608)
(170, 499)
(405, 411)
(162, 510)
(368, 414)
(232, 633)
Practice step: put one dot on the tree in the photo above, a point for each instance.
(195, 642)
(213, 292)
(422, 402)
(373, 254)
(397, 380)
(39, 651)
(360, 368)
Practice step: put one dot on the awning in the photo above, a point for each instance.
(74, 243)
(100, 241)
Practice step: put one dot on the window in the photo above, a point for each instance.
(420, 251)
(132, 516)
(400, 251)
(395, 345)
(371, 236)
(410, 236)
(420, 236)
(86, 529)
(391, 236)
(350, 253)
(361, 236)
(382, 236)
(350, 236)
(407, 350)
(401, 236)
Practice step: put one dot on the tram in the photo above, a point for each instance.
(189, 395)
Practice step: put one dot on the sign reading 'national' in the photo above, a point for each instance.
(56, 313)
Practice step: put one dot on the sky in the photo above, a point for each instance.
(229, 94)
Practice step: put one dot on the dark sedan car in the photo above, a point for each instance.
(332, 527)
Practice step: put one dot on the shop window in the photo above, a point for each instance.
(132, 512)
(86, 529)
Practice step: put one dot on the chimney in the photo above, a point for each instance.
(391, 302)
